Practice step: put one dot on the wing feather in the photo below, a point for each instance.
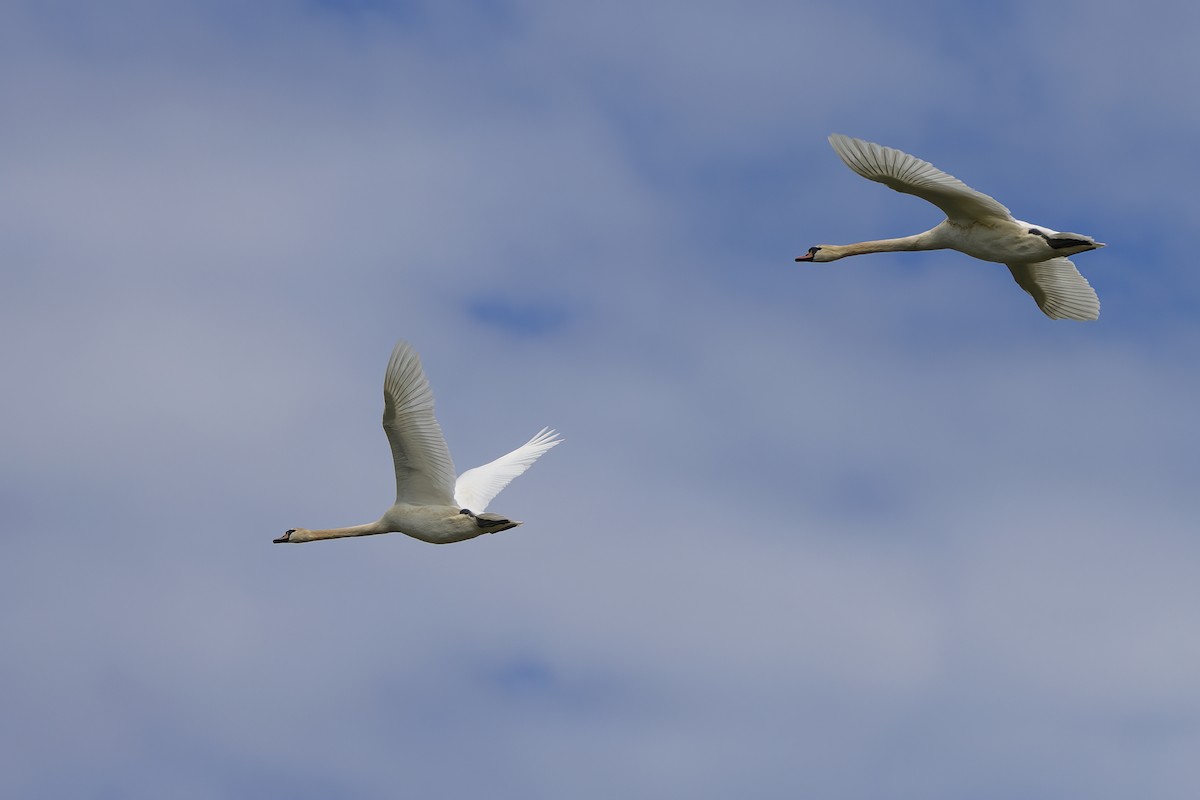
(909, 174)
(1060, 291)
(424, 469)
(476, 487)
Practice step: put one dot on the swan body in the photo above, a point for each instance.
(430, 504)
(976, 225)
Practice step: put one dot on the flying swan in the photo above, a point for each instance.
(430, 505)
(975, 224)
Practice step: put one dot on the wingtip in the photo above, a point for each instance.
(839, 141)
(548, 437)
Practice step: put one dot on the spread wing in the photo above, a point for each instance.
(1060, 291)
(476, 487)
(909, 174)
(424, 470)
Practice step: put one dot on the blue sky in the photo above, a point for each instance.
(867, 529)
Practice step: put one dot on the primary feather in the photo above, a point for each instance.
(476, 487)
(424, 469)
(1060, 291)
(909, 174)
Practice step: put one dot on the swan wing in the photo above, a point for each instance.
(476, 487)
(1060, 291)
(909, 174)
(424, 470)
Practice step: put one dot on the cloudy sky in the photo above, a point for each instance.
(872, 529)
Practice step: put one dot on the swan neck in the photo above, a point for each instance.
(369, 529)
(918, 242)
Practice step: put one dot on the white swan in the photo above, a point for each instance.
(430, 505)
(975, 224)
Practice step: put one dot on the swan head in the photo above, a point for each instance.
(822, 253)
(294, 536)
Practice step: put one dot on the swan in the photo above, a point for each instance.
(430, 505)
(975, 224)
